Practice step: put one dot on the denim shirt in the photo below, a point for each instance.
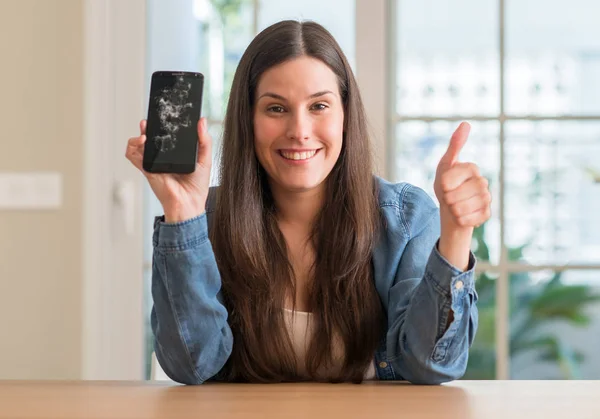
(417, 287)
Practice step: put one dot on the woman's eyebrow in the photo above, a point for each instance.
(279, 97)
(321, 93)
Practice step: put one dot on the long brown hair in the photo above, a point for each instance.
(251, 251)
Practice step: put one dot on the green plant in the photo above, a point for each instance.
(228, 8)
(533, 308)
(223, 38)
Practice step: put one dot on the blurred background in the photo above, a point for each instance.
(76, 219)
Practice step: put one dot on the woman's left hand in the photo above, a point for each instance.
(464, 199)
(461, 190)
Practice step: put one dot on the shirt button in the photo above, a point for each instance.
(383, 364)
(458, 285)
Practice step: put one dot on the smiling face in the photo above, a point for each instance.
(298, 123)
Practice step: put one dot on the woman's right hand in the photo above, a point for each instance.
(182, 196)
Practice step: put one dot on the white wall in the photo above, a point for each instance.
(40, 251)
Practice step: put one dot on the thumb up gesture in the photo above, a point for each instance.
(461, 190)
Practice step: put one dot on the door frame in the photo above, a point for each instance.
(112, 283)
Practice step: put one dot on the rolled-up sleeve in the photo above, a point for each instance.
(193, 340)
(423, 348)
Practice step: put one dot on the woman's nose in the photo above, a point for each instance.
(299, 127)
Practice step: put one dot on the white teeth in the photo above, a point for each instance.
(299, 156)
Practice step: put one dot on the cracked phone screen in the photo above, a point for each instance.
(174, 106)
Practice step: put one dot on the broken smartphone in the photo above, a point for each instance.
(174, 109)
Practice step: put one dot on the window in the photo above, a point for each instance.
(526, 74)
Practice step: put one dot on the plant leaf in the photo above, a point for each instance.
(563, 302)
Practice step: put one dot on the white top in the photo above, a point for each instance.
(300, 329)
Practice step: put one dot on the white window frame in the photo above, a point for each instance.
(505, 267)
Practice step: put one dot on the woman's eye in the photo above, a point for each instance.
(276, 109)
(320, 106)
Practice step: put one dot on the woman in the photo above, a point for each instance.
(303, 265)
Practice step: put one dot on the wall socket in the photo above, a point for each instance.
(30, 190)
